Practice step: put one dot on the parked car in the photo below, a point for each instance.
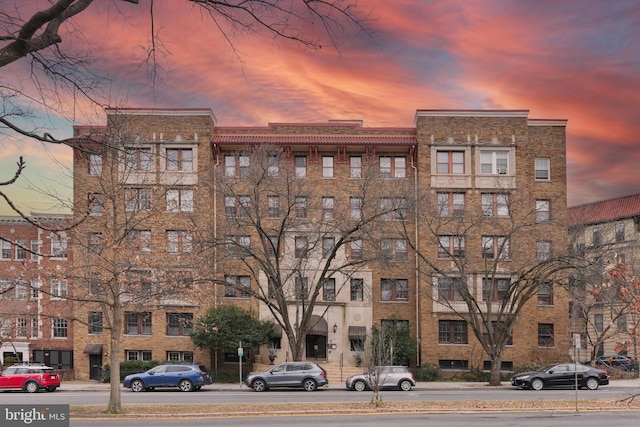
(29, 377)
(623, 362)
(186, 377)
(561, 375)
(306, 375)
(396, 377)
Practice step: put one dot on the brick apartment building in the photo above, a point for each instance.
(35, 317)
(606, 232)
(171, 182)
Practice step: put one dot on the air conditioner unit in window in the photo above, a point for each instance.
(502, 171)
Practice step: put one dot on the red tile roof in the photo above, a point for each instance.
(297, 139)
(604, 211)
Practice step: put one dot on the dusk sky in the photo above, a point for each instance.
(560, 59)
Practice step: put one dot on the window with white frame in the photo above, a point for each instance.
(95, 242)
(451, 288)
(35, 250)
(450, 162)
(546, 335)
(95, 164)
(393, 167)
(35, 327)
(179, 241)
(495, 247)
(59, 245)
(495, 289)
(180, 356)
(494, 162)
(393, 249)
(329, 289)
(179, 324)
(6, 250)
(21, 289)
(236, 166)
(545, 293)
(237, 207)
(356, 208)
(273, 166)
(60, 328)
(237, 246)
(137, 159)
(95, 322)
(452, 332)
(355, 167)
(357, 289)
(451, 204)
(451, 246)
(180, 200)
(58, 288)
(327, 166)
(542, 169)
(301, 207)
(35, 289)
(179, 159)
(139, 240)
(543, 252)
(96, 204)
(21, 249)
(300, 166)
(328, 205)
(137, 199)
(274, 206)
(138, 355)
(138, 323)
(394, 289)
(21, 327)
(543, 210)
(356, 249)
(393, 208)
(302, 288)
(495, 204)
(328, 244)
(301, 246)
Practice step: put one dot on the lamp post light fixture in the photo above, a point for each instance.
(335, 328)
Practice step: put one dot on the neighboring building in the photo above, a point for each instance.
(605, 233)
(171, 171)
(35, 316)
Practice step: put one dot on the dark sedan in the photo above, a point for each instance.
(562, 375)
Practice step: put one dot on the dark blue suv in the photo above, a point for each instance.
(186, 377)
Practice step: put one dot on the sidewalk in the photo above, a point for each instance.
(438, 385)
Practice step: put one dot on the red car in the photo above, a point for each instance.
(29, 377)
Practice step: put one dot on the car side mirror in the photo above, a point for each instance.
(551, 371)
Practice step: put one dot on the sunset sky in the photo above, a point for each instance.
(560, 59)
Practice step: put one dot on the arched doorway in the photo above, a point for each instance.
(316, 340)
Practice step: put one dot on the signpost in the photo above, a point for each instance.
(240, 354)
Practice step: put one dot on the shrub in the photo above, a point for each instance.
(128, 367)
(427, 372)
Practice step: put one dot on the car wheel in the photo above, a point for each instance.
(259, 385)
(137, 385)
(31, 387)
(309, 384)
(537, 384)
(592, 383)
(51, 388)
(185, 385)
(405, 385)
(359, 386)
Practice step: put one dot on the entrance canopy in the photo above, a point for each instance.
(93, 349)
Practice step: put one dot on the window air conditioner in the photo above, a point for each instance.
(502, 171)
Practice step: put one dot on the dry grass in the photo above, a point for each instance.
(254, 410)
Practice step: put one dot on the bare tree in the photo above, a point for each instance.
(487, 288)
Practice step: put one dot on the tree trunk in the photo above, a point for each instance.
(496, 364)
(115, 399)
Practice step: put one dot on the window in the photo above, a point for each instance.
(393, 249)
(394, 289)
(180, 356)
(597, 236)
(545, 335)
(495, 247)
(495, 204)
(96, 205)
(598, 322)
(137, 199)
(497, 328)
(543, 250)
(274, 206)
(237, 207)
(543, 210)
(21, 289)
(302, 288)
(327, 166)
(328, 204)
(35, 328)
(451, 246)
(450, 162)
(138, 354)
(356, 249)
(58, 245)
(21, 327)
(272, 166)
(620, 232)
(60, 328)
(357, 289)
(301, 166)
(545, 293)
(179, 200)
(356, 208)
(393, 209)
(301, 246)
(179, 324)
(35, 250)
(328, 245)
(96, 242)
(95, 322)
(237, 246)
(95, 164)
(58, 288)
(237, 287)
(179, 159)
(355, 167)
(393, 167)
(452, 332)
(621, 323)
(542, 169)
(35, 289)
(6, 250)
(271, 246)
(95, 285)
(137, 159)
(494, 162)
(179, 241)
(451, 288)
(21, 249)
(301, 207)
(450, 204)
(236, 166)
(138, 323)
(139, 240)
(329, 289)
(495, 290)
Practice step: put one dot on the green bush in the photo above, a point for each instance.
(128, 367)
(427, 372)
(226, 378)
